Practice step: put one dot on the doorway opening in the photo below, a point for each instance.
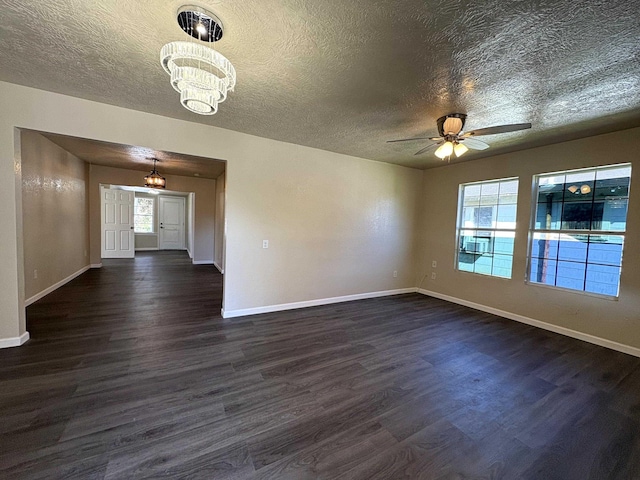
(65, 180)
(144, 219)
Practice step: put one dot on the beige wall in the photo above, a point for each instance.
(188, 223)
(338, 225)
(218, 256)
(203, 188)
(55, 213)
(146, 240)
(615, 320)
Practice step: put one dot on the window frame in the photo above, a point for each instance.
(532, 231)
(153, 215)
(460, 228)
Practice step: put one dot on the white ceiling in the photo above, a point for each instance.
(346, 76)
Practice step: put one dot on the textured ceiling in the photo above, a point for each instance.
(346, 76)
(137, 158)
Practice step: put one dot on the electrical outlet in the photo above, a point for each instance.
(434, 264)
(265, 243)
(433, 275)
(395, 274)
(35, 274)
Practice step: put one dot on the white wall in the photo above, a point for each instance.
(338, 225)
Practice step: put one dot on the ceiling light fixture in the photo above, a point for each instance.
(201, 75)
(450, 147)
(444, 150)
(460, 149)
(154, 179)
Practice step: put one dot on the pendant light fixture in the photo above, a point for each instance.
(199, 73)
(154, 179)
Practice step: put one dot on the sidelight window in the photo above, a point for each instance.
(143, 215)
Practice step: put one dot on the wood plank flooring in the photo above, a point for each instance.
(132, 373)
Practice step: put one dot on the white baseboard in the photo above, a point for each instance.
(220, 269)
(55, 286)
(312, 303)
(147, 249)
(14, 341)
(189, 253)
(202, 262)
(603, 342)
(96, 265)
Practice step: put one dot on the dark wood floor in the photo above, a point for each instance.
(132, 373)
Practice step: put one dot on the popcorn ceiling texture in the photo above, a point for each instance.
(346, 76)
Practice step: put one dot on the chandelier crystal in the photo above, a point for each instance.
(201, 75)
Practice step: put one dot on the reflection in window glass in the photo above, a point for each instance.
(577, 235)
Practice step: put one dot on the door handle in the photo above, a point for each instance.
(161, 226)
(131, 228)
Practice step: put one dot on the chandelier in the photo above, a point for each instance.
(201, 75)
(154, 179)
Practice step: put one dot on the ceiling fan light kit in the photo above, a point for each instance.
(444, 150)
(201, 75)
(453, 140)
(460, 149)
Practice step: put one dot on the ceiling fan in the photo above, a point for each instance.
(453, 140)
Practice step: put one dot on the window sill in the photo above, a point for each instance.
(570, 290)
(483, 274)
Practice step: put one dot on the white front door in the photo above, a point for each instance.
(117, 223)
(171, 219)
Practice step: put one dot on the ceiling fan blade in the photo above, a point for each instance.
(408, 139)
(498, 129)
(435, 139)
(474, 143)
(428, 147)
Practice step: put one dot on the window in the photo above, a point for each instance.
(487, 227)
(143, 215)
(578, 229)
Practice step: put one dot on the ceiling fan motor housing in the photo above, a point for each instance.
(451, 127)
